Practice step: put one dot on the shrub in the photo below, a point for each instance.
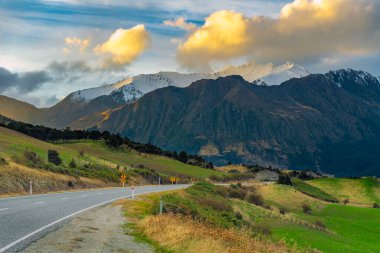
(216, 204)
(237, 193)
(283, 210)
(376, 205)
(306, 208)
(255, 198)
(320, 224)
(53, 157)
(262, 229)
(70, 184)
(3, 161)
(31, 156)
(346, 201)
(284, 179)
(238, 215)
(222, 191)
(81, 153)
(73, 164)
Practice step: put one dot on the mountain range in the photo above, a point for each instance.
(280, 116)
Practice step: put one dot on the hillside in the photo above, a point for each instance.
(96, 165)
(305, 123)
(266, 218)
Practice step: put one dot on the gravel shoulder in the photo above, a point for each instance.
(98, 230)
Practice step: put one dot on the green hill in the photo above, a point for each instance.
(27, 157)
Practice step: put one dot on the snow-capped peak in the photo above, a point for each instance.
(357, 77)
(269, 74)
(91, 93)
(127, 94)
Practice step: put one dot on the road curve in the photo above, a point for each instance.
(27, 218)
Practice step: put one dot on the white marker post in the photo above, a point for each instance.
(133, 192)
(159, 180)
(30, 187)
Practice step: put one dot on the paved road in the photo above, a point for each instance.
(25, 219)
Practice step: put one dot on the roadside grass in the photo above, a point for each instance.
(196, 220)
(313, 191)
(360, 192)
(126, 157)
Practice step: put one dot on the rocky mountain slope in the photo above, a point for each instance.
(313, 122)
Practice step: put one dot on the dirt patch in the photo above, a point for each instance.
(98, 230)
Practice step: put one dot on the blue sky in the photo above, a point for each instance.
(33, 35)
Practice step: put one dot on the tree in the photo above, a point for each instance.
(72, 164)
(346, 201)
(183, 157)
(375, 205)
(306, 208)
(284, 179)
(53, 157)
(114, 141)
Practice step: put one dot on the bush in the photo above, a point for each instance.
(283, 210)
(216, 204)
(346, 201)
(3, 161)
(306, 208)
(222, 191)
(262, 229)
(53, 157)
(376, 205)
(239, 216)
(284, 179)
(70, 184)
(237, 193)
(255, 198)
(72, 164)
(31, 156)
(320, 224)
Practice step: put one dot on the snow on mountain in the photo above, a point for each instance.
(267, 73)
(350, 76)
(134, 87)
(126, 94)
(91, 93)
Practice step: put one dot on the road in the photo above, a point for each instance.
(28, 218)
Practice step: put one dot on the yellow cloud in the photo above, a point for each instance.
(180, 23)
(124, 45)
(305, 29)
(75, 42)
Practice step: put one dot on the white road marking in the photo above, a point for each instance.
(64, 198)
(3, 209)
(84, 195)
(39, 203)
(62, 219)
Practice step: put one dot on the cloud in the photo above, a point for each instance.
(304, 30)
(124, 46)
(180, 23)
(73, 43)
(23, 82)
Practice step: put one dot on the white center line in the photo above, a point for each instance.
(3, 209)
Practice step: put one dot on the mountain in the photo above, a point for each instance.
(329, 122)
(84, 108)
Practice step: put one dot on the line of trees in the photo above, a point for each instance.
(112, 140)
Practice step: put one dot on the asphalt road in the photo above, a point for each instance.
(28, 218)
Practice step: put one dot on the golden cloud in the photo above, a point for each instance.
(305, 29)
(124, 45)
(180, 23)
(75, 42)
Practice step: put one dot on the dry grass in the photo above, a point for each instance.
(14, 180)
(181, 234)
(228, 168)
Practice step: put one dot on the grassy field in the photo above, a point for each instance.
(360, 192)
(98, 166)
(278, 221)
(126, 157)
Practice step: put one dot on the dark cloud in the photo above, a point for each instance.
(23, 82)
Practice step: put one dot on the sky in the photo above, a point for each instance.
(50, 48)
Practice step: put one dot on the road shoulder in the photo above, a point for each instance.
(98, 230)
